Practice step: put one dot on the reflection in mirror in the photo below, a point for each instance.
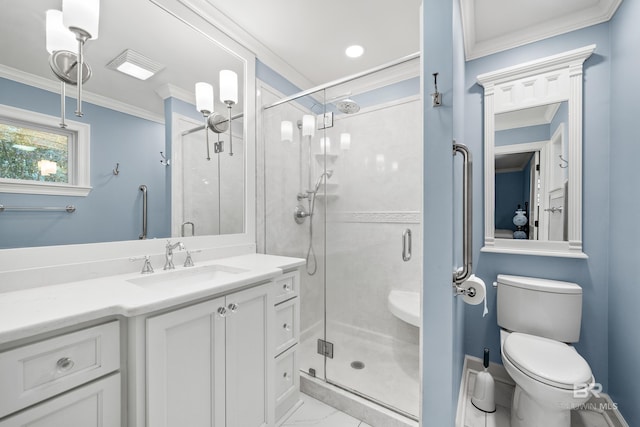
(130, 123)
(531, 173)
(533, 156)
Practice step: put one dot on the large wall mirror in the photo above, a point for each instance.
(141, 132)
(533, 156)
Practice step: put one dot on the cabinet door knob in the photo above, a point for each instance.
(286, 327)
(222, 311)
(286, 287)
(233, 307)
(64, 364)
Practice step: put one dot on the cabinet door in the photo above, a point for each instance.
(185, 367)
(249, 357)
(94, 405)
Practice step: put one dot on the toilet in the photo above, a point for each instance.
(538, 320)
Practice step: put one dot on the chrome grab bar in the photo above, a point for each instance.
(406, 245)
(68, 208)
(463, 273)
(143, 188)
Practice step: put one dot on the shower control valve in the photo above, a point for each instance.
(300, 214)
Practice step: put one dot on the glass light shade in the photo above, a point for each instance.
(228, 86)
(47, 167)
(325, 145)
(204, 97)
(345, 141)
(82, 14)
(58, 36)
(308, 125)
(286, 131)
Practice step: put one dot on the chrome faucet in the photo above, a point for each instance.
(168, 265)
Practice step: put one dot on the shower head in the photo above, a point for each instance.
(328, 173)
(348, 106)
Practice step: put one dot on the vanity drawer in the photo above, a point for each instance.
(35, 372)
(287, 324)
(287, 381)
(286, 286)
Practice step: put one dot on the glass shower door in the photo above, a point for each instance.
(371, 200)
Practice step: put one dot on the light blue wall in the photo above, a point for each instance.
(113, 209)
(591, 274)
(624, 248)
(442, 313)
(522, 135)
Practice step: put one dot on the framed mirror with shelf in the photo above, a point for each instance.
(533, 156)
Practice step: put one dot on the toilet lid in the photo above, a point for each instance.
(548, 361)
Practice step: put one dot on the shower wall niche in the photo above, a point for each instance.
(366, 164)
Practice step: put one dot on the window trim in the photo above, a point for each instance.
(79, 157)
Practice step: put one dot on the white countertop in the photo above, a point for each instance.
(29, 312)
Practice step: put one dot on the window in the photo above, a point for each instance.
(39, 157)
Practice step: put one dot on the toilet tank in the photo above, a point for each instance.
(541, 307)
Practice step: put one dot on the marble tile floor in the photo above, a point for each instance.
(390, 373)
(314, 413)
(591, 416)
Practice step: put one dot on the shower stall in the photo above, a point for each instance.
(340, 184)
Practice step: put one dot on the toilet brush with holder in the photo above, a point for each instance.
(484, 389)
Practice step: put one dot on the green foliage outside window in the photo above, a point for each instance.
(21, 148)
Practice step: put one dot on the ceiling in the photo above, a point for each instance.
(304, 41)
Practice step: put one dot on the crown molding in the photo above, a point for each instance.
(93, 98)
(476, 47)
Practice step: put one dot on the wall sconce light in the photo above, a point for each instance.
(80, 19)
(229, 95)
(345, 141)
(286, 131)
(205, 104)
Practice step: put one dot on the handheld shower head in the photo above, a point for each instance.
(328, 174)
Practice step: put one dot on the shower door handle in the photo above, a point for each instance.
(406, 245)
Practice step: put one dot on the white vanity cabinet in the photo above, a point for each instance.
(210, 364)
(70, 380)
(286, 331)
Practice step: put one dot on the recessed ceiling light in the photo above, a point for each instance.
(354, 51)
(135, 65)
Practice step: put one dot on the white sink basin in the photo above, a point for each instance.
(187, 276)
(405, 305)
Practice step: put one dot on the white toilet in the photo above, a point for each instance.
(538, 318)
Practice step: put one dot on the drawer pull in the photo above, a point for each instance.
(286, 287)
(64, 364)
(286, 327)
(233, 307)
(285, 376)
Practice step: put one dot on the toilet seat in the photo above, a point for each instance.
(548, 361)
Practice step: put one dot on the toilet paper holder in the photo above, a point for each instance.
(470, 292)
